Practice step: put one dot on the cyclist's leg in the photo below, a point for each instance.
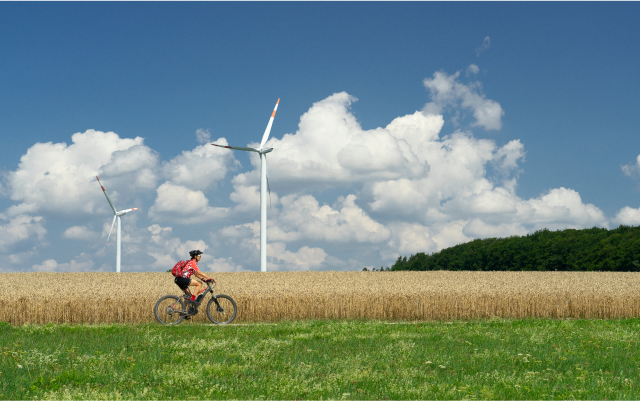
(183, 283)
(197, 285)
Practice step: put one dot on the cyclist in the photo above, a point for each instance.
(184, 280)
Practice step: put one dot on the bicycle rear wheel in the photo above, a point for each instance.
(170, 310)
(227, 311)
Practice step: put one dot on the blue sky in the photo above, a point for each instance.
(562, 150)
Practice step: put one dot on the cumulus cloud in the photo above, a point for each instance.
(224, 265)
(628, 216)
(632, 169)
(412, 238)
(303, 217)
(167, 250)
(200, 168)
(80, 233)
(180, 204)
(247, 238)
(203, 136)
(447, 91)
(330, 148)
(431, 192)
(342, 196)
(51, 265)
(60, 178)
(19, 229)
(305, 258)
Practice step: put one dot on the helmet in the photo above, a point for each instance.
(195, 253)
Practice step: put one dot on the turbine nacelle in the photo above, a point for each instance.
(123, 212)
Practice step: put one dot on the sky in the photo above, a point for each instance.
(402, 127)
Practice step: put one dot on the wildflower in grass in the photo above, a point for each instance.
(19, 366)
(442, 366)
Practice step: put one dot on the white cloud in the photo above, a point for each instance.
(81, 233)
(58, 178)
(224, 265)
(247, 198)
(394, 190)
(203, 136)
(19, 229)
(168, 250)
(486, 44)
(479, 229)
(303, 217)
(628, 216)
(412, 238)
(50, 265)
(447, 92)
(632, 169)
(305, 258)
(561, 207)
(180, 204)
(201, 167)
(507, 156)
(331, 149)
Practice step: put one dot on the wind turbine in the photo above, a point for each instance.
(263, 186)
(116, 215)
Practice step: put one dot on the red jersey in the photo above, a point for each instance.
(190, 269)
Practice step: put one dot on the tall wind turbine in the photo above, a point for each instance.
(263, 186)
(116, 215)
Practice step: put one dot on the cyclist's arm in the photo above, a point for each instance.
(203, 276)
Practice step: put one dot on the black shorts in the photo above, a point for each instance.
(182, 282)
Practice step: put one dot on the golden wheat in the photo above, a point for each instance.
(274, 296)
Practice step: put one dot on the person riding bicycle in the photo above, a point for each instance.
(184, 281)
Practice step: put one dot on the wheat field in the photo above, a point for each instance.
(275, 296)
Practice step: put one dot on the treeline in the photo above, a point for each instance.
(594, 249)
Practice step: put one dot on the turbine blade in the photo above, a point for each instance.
(265, 136)
(105, 194)
(105, 244)
(128, 210)
(236, 148)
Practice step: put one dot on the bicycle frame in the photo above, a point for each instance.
(205, 291)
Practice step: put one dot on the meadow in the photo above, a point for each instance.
(341, 360)
(275, 296)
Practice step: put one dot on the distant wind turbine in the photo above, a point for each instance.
(116, 215)
(263, 186)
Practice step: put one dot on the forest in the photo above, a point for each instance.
(593, 249)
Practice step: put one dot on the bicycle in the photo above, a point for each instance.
(172, 309)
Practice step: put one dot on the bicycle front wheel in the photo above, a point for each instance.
(170, 310)
(223, 314)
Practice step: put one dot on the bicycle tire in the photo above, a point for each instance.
(230, 310)
(168, 316)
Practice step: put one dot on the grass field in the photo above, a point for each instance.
(477, 359)
(276, 296)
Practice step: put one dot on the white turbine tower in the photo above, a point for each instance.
(263, 186)
(116, 215)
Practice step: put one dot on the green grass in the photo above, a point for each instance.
(489, 359)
